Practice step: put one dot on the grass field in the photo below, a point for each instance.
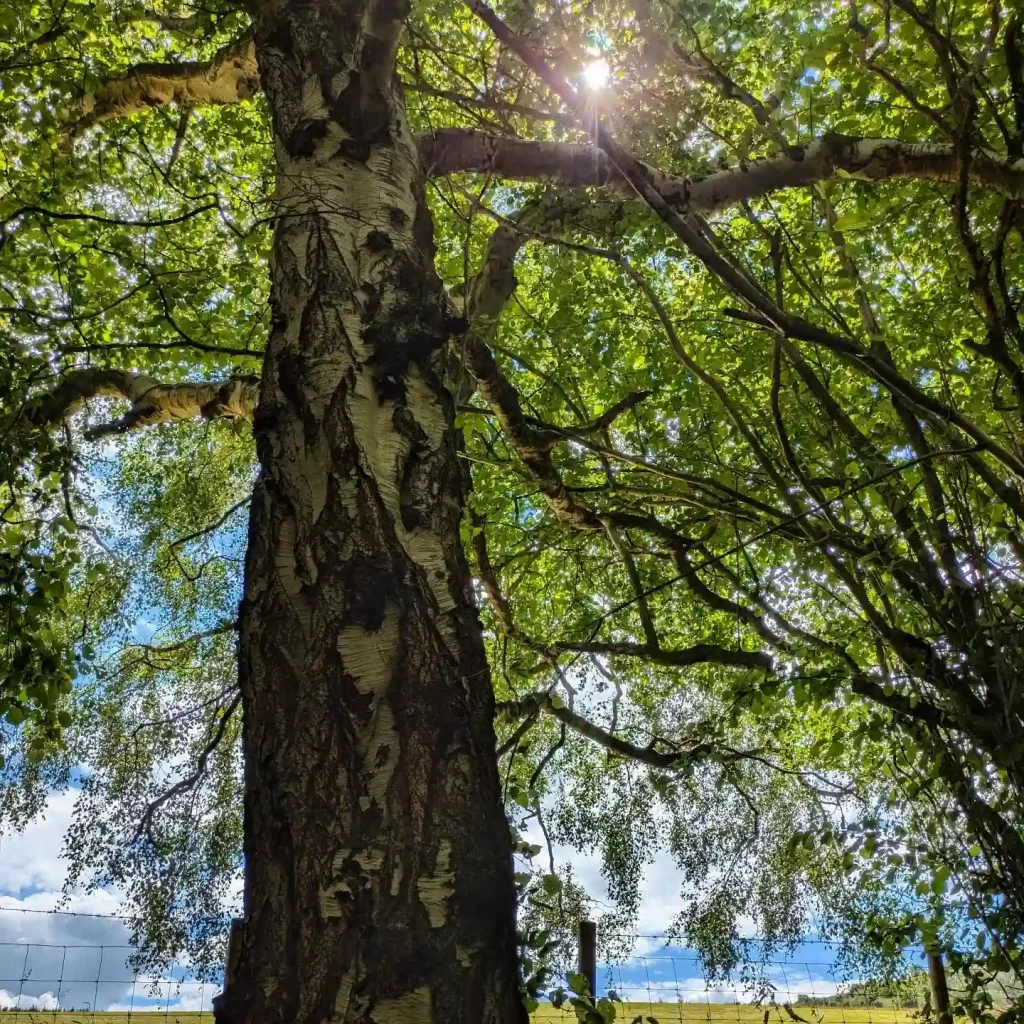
(722, 1013)
(664, 1013)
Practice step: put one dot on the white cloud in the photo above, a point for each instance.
(168, 996)
(76, 961)
(685, 990)
(200, 1002)
(47, 1001)
(52, 960)
(660, 901)
(668, 978)
(658, 973)
(31, 860)
(72, 958)
(102, 902)
(32, 875)
(647, 944)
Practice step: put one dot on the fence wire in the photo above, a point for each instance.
(86, 980)
(672, 987)
(64, 983)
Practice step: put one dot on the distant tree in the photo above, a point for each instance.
(717, 303)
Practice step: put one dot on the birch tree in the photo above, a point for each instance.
(669, 351)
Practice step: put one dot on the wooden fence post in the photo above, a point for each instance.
(940, 989)
(588, 955)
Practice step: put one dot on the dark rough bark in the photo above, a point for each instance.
(378, 861)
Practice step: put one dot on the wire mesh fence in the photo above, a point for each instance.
(95, 983)
(58, 968)
(63, 967)
(671, 986)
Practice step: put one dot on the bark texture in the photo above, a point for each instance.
(230, 76)
(151, 401)
(378, 859)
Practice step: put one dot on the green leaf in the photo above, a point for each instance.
(551, 884)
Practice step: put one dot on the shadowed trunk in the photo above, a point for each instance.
(378, 860)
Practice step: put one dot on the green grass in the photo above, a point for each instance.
(664, 1013)
(720, 1013)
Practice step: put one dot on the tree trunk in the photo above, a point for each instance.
(378, 874)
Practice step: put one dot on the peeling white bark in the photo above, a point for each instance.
(412, 1008)
(435, 889)
(372, 794)
(381, 190)
(369, 657)
(151, 401)
(231, 76)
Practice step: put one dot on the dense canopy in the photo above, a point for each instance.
(736, 351)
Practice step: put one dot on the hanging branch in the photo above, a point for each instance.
(184, 785)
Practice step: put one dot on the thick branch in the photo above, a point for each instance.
(493, 286)
(534, 447)
(531, 445)
(917, 709)
(488, 577)
(687, 228)
(230, 76)
(454, 150)
(699, 654)
(151, 401)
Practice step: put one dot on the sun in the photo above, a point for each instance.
(597, 73)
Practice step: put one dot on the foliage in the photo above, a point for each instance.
(834, 483)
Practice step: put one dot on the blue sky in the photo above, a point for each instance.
(50, 960)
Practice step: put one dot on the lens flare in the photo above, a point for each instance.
(597, 73)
